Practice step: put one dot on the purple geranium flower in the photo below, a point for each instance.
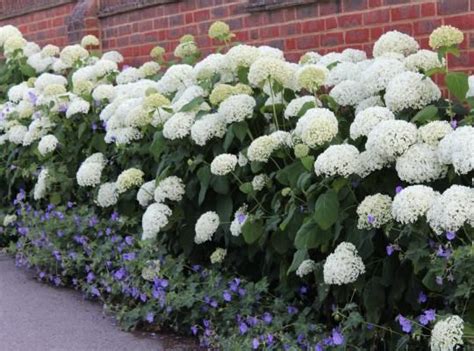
(150, 317)
(450, 235)
(427, 316)
(422, 298)
(227, 296)
(405, 323)
(243, 328)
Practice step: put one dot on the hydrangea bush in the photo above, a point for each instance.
(337, 191)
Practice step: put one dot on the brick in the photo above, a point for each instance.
(329, 8)
(330, 23)
(426, 26)
(406, 28)
(449, 7)
(354, 5)
(352, 20)
(290, 29)
(269, 32)
(375, 3)
(377, 16)
(428, 9)
(312, 26)
(219, 12)
(332, 39)
(463, 22)
(290, 44)
(405, 12)
(357, 36)
(307, 42)
(306, 11)
(202, 15)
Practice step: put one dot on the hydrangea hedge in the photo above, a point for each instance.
(250, 201)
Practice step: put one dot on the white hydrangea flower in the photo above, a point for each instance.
(423, 60)
(269, 68)
(262, 148)
(209, 66)
(374, 211)
(349, 93)
(295, 105)
(188, 95)
(9, 219)
(410, 90)
(78, 105)
(223, 164)
(114, 56)
(129, 75)
(207, 127)
(146, 193)
(283, 139)
(128, 179)
(107, 195)
(218, 255)
(259, 182)
(160, 116)
(367, 119)
(41, 185)
(316, 127)
(149, 68)
(397, 42)
(433, 132)
(89, 40)
(242, 160)
(47, 144)
(237, 108)
(391, 138)
(310, 57)
(154, 219)
(353, 55)
(445, 36)
(412, 203)
(420, 164)
(39, 63)
(72, 54)
(371, 101)
(103, 92)
(452, 209)
(343, 266)
(376, 77)
(240, 216)
(341, 160)
(46, 79)
(17, 133)
(170, 188)
(370, 161)
(176, 78)
(90, 171)
(457, 148)
(268, 51)
(8, 31)
(331, 58)
(17, 92)
(178, 126)
(151, 270)
(206, 226)
(241, 56)
(311, 77)
(343, 71)
(447, 334)
(305, 268)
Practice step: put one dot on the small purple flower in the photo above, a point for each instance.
(227, 296)
(194, 330)
(371, 219)
(95, 291)
(442, 252)
(454, 124)
(267, 318)
(270, 339)
(337, 337)
(57, 255)
(450, 235)
(70, 204)
(62, 108)
(243, 328)
(234, 284)
(90, 277)
(115, 216)
(427, 316)
(60, 233)
(389, 250)
(292, 310)
(129, 240)
(303, 290)
(120, 273)
(422, 298)
(242, 292)
(32, 97)
(57, 281)
(129, 256)
(196, 267)
(255, 343)
(150, 317)
(241, 218)
(398, 189)
(439, 280)
(405, 323)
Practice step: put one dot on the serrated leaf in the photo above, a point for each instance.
(457, 84)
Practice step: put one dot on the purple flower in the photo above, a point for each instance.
(206, 323)
(303, 290)
(405, 323)
(242, 292)
(194, 330)
(252, 321)
(33, 98)
(427, 316)
(129, 240)
(370, 219)
(57, 255)
(389, 250)
(292, 310)
(446, 253)
(150, 317)
(450, 235)
(270, 339)
(243, 328)
(454, 124)
(422, 298)
(120, 273)
(60, 233)
(255, 343)
(337, 337)
(57, 281)
(70, 204)
(398, 189)
(267, 318)
(95, 291)
(227, 296)
(196, 267)
(129, 256)
(62, 108)
(241, 218)
(90, 277)
(115, 216)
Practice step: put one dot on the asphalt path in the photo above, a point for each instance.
(38, 317)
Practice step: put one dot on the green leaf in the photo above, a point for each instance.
(27, 70)
(158, 145)
(457, 84)
(221, 185)
(193, 104)
(98, 143)
(374, 299)
(311, 236)
(246, 188)
(242, 73)
(224, 207)
(298, 257)
(427, 114)
(280, 242)
(308, 162)
(306, 106)
(252, 230)
(80, 131)
(204, 176)
(326, 209)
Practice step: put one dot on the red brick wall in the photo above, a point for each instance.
(322, 26)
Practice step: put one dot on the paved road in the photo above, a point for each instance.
(38, 317)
